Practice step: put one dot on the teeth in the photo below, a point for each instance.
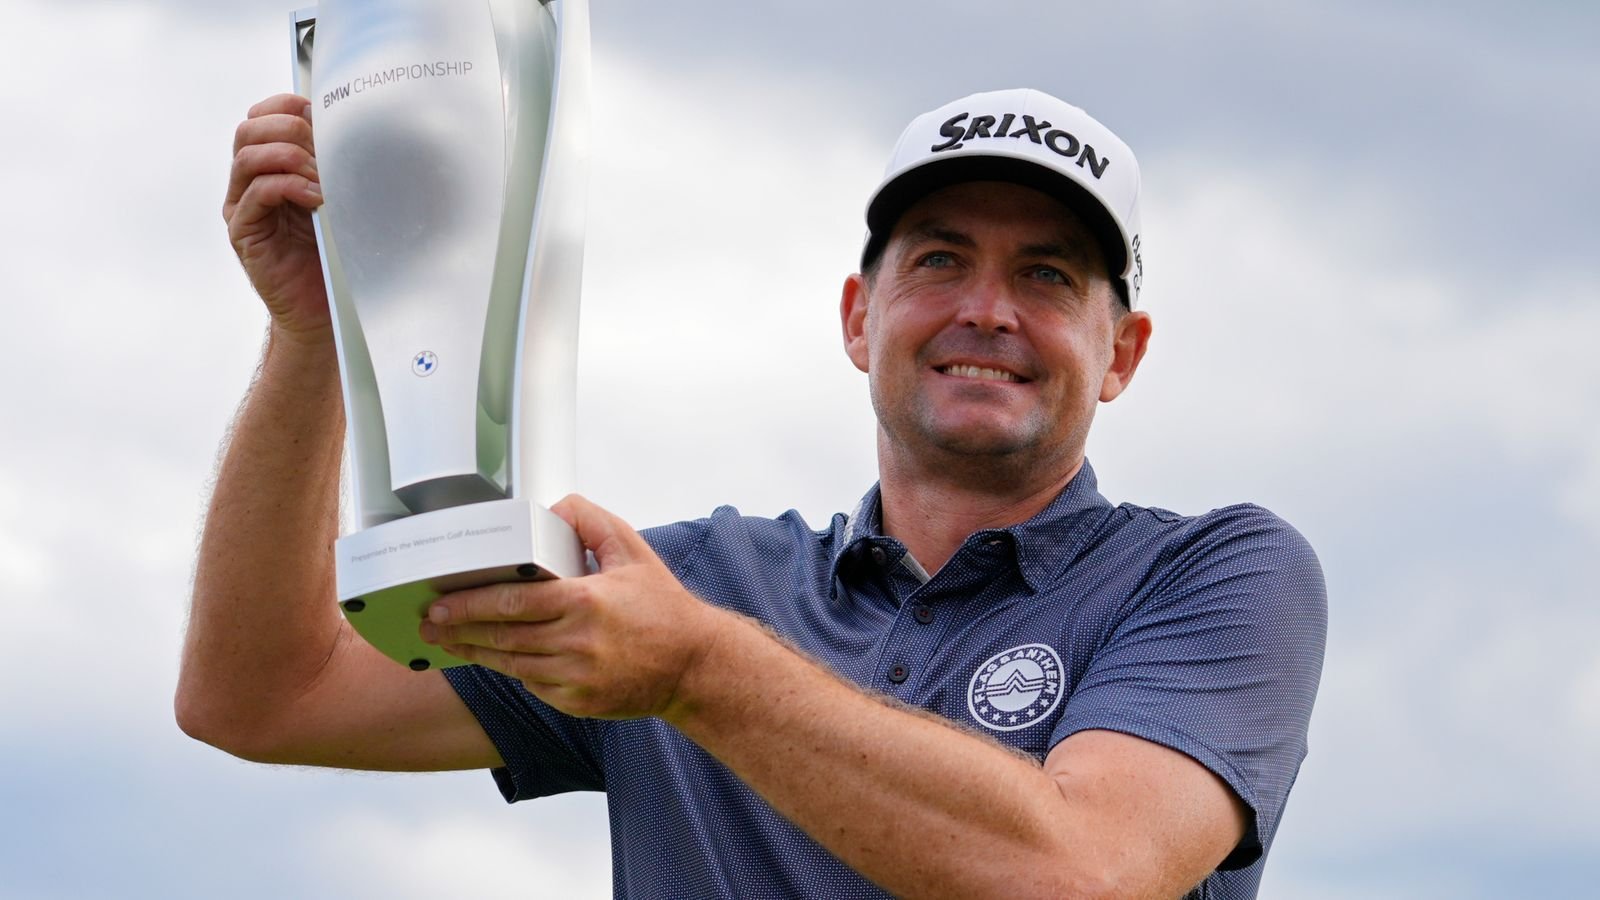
(976, 372)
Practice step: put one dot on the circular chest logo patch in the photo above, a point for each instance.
(1016, 688)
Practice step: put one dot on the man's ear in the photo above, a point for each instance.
(1130, 339)
(853, 320)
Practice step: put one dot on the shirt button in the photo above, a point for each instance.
(924, 613)
(898, 674)
(878, 556)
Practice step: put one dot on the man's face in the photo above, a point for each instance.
(990, 329)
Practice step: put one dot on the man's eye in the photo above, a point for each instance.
(936, 260)
(1050, 274)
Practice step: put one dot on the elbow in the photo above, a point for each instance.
(200, 720)
(203, 719)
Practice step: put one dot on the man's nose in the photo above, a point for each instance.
(989, 306)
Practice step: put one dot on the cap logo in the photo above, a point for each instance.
(1062, 143)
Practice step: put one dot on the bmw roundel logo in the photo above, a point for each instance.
(1015, 688)
(424, 363)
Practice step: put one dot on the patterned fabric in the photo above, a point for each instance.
(1204, 634)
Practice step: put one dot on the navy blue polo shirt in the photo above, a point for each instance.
(1204, 634)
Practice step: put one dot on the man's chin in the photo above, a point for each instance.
(990, 443)
(953, 436)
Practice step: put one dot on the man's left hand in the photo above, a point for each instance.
(614, 644)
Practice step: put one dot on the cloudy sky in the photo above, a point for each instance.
(1370, 254)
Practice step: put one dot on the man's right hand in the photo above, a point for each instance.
(271, 191)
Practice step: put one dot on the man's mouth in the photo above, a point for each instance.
(979, 372)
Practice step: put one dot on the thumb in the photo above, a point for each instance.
(613, 541)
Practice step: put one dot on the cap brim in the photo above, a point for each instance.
(900, 193)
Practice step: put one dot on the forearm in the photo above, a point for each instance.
(262, 620)
(910, 801)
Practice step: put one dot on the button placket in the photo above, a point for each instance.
(914, 643)
(926, 617)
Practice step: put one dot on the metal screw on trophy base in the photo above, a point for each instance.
(419, 665)
(527, 570)
(355, 605)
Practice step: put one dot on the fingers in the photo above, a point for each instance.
(513, 618)
(276, 128)
(275, 139)
(254, 162)
(522, 602)
(530, 669)
(515, 629)
(613, 541)
(540, 639)
(265, 196)
(293, 104)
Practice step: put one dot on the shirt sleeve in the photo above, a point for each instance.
(1219, 657)
(545, 751)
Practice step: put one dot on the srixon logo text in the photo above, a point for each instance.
(959, 130)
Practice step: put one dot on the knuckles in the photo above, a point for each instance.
(508, 600)
(250, 136)
(581, 597)
(502, 636)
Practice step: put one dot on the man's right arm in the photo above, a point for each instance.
(271, 671)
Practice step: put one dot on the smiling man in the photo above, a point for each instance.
(986, 681)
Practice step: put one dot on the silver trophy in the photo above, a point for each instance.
(451, 142)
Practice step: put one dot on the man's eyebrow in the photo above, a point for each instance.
(1069, 250)
(933, 231)
(1072, 252)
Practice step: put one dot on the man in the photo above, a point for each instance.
(986, 681)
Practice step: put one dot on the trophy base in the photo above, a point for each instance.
(388, 575)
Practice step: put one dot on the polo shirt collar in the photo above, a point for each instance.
(1042, 547)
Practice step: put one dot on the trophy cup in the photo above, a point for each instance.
(451, 144)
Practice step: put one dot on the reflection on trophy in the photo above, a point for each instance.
(451, 141)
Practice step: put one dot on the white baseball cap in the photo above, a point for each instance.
(1025, 137)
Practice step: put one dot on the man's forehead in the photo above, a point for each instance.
(1035, 221)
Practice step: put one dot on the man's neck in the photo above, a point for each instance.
(934, 515)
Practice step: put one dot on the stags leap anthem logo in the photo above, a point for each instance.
(1015, 688)
(958, 130)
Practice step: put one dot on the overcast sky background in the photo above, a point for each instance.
(1370, 249)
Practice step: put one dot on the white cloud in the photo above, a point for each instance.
(457, 855)
(21, 559)
(1429, 710)
(1584, 707)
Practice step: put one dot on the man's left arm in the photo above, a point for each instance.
(908, 799)
(926, 809)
